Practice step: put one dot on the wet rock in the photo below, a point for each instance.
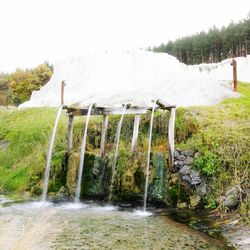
(159, 185)
(71, 180)
(63, 193)
(232, 198)
(93, 178)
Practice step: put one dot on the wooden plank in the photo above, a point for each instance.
(129, 111)
(70, 133)
(105, 111)
(104, 132)
(62, 92)
(171, 131)
(164, 106)
(135, 132)
(82, 111)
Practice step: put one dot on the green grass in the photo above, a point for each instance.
(26, 134)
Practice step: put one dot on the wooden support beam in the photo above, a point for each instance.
(128, 111)
(105, 111)
(171, 127)
(70, 133)
(62, 92)
(164, 106)
(104, 132)
(235, 82)
(135, 132)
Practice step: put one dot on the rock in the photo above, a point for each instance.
(232, 198)
(63, 193)
(181, 157)
(190, 175)
(197, 155)
(194, 200)
(174, 178)
(181, 205)
(176, 154)
(195, 177)
(179, 164)
(3, 145)
(189, 153)
(185, 170)
(188, 161)
(202, 188)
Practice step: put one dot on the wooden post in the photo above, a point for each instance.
(171, 137)
(104, 132)
(234, 64)
(62, 92)
(70, 133)
(135, 132)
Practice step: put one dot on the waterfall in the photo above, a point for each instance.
(82, 154)
(47, 170)
(117, 139)
(148, 158)
(135, 132)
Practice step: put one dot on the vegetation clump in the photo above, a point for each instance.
(16, 87)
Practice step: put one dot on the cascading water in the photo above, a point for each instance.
(47, 170)
(135, 132)
(148, 158)
(117, 139)
(82, 154)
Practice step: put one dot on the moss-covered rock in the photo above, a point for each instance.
(94, 178)
(159, 187)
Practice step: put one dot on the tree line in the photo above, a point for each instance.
(16, 87)
(212, 46)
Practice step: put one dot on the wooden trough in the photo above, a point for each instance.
(105, 112)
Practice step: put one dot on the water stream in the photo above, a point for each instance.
(135, 132)
(49, 155)
(31, 225)
(148, 158)
(117, 140)
(82, 154)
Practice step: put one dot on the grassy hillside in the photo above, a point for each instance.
(24, 138)
(223, 143)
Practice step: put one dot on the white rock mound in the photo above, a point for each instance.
(112, 79)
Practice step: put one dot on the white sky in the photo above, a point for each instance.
(36, 30)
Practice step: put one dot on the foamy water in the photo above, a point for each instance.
(142, 213)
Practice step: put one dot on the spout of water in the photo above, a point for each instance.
(117, 140)
(49, 155)
(148, 158)
(82, 154)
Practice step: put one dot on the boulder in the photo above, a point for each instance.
(232, 198)
(190, 175)
(188, 161)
